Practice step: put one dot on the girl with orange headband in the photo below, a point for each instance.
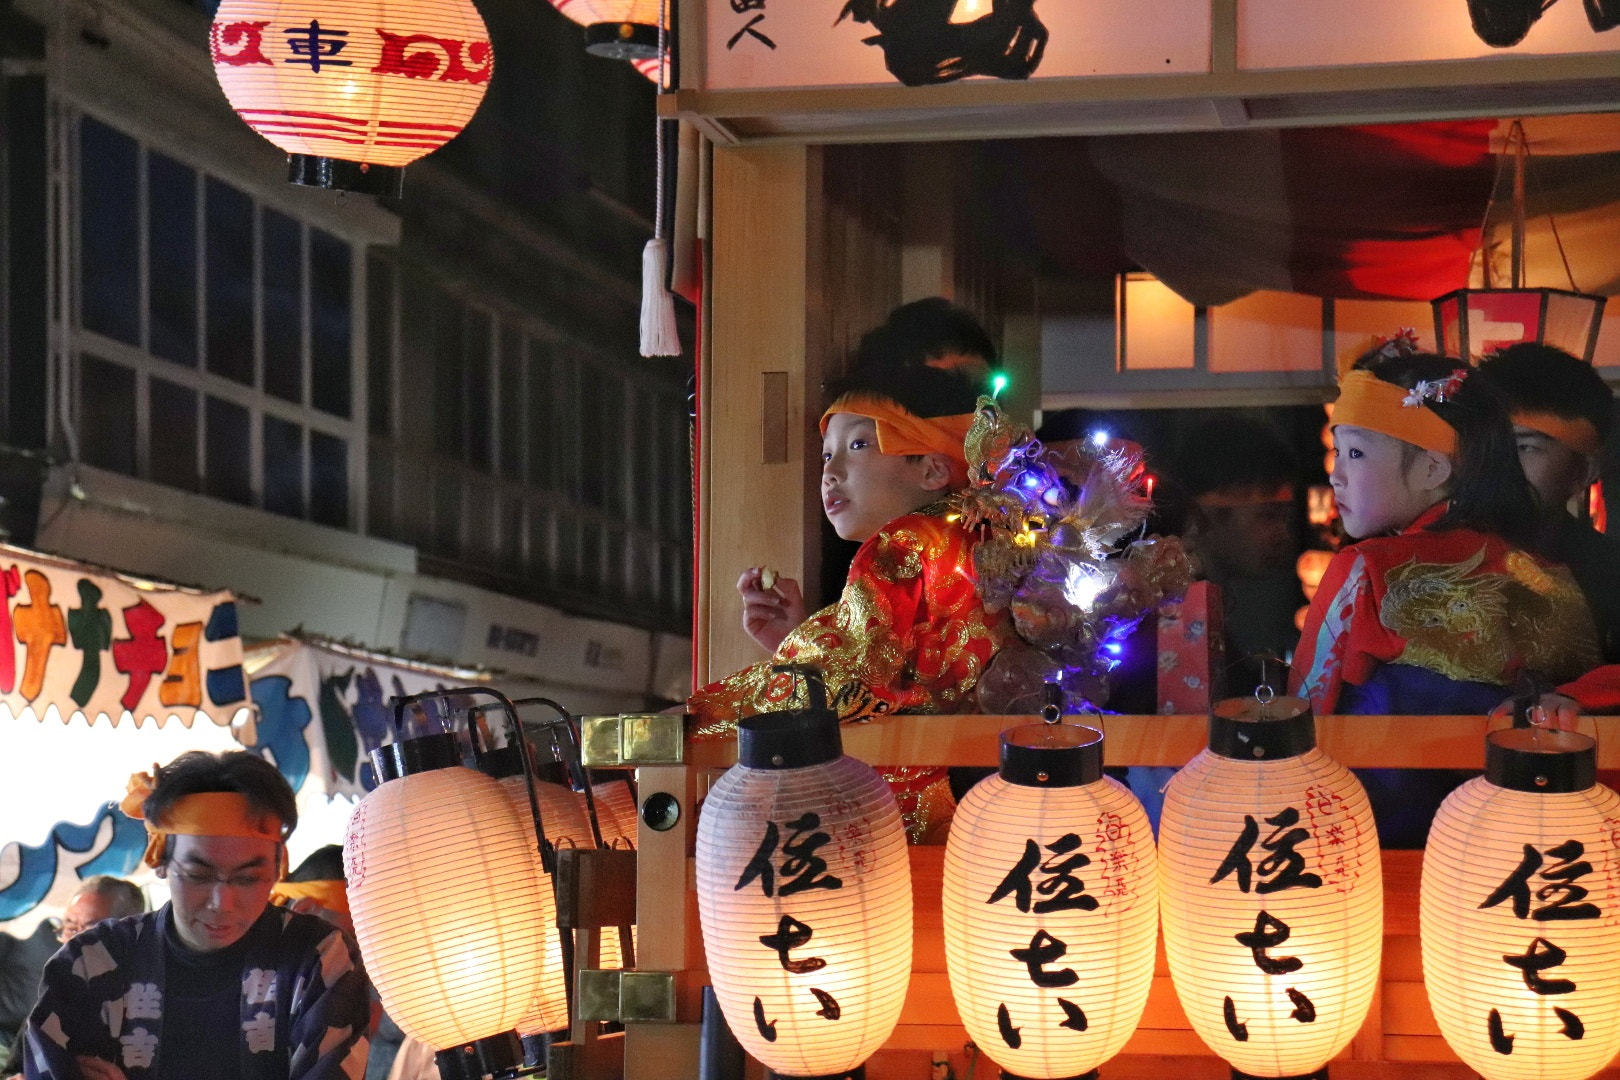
(1440, 605)
(909, 633)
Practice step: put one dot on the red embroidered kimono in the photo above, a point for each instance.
(909, 634)
(1438, 622)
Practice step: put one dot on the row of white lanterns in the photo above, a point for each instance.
(1266, 877)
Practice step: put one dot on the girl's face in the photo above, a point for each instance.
(862, 488)
(1379, 488)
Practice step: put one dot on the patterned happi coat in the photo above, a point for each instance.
(1438, 622)
(909, 634)
(305, 1001)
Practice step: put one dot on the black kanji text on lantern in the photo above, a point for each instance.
(1560, 899)
(1283, 868)
(317, 46)
(801, 867)
(790, 934)
(1045, 949)
(1268, 933)
(1060, 889)
(1542, 955)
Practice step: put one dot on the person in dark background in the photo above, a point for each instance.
(1240, 483)
(1562, 414)
(98, 898)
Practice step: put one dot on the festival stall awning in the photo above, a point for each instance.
(100, 676)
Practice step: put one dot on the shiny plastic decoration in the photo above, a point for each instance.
(376, 82)
(1050, 898)
(804, 895)
(1271, 892)
(447, 905)
(1520, 921)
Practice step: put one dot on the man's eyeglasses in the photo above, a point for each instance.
(203, 880)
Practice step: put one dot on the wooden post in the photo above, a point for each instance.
(760, 459)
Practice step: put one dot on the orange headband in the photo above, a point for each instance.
(331, 895)
(1366, 401)
(207, 813)
(900, 432)
(1579, 435)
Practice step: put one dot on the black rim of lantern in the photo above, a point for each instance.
(1540, 760)
(622, 40)
(341, 174)
(1261, 728)
(792, 738)
(1051, 755)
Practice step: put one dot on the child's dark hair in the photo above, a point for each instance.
(1488, 491)
(892, 360)
(1543, 378)
(198, 771)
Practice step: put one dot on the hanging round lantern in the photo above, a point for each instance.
(1051, 906)
(446, 903)
(804, 896)
(617, 29)
(352, 90)
(1271, 892)
(1520, 911)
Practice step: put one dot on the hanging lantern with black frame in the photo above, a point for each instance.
(1471, 324)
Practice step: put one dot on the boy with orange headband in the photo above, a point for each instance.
(1562, 413)
(1440, 605)
(217, 983)
(909, 633)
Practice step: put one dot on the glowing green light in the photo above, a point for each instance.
(998, 383)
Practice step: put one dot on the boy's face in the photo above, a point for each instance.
(1377, 487)
(862, 488)
(1557, 472)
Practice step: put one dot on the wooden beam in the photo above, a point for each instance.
(759, 509)
(1391, 742)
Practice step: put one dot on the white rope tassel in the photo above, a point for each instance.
(659, 335)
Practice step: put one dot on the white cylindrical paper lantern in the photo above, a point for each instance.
(804, 895)
(549, 1011)
(1520, 912)
(1271, 892)
(352, 90)
(447, 908)
(1051, 906)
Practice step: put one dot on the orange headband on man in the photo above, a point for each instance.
(901, 432)
(1580, 435)
(1366, 401)
(207, 813)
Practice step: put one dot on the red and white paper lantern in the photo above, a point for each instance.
(352, 90)
(1520, 912)
(1050, 898)
(1271, 892)
(804, 895)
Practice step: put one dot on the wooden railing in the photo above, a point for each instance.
(1399, 1038)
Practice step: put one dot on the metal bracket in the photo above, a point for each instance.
(625, 996)
(632, 739)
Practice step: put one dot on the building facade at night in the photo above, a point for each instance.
(422, 426)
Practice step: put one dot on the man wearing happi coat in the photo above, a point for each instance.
(218, 984)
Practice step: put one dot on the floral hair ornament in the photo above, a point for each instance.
(1403, 343)
(1429, 390)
